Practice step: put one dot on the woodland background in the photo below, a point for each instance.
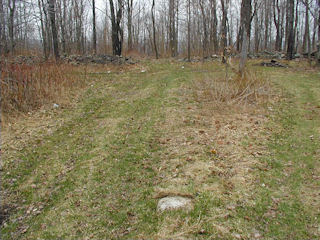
(160, 28)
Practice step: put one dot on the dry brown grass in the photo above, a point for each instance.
(231, 89)
(28, 87)
(207, 144)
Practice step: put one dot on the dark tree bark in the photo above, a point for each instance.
(177, 28)
(214, 24)
(257, 32)
(205, 31)
(94, 31)
(154, 30)
(296, 29)
(277, 23)
(223, 44)
(266, 23)
(48, 32)
(130, 9)
(306, 46)
(61, 9)
(318, 45)
(189, 29)
(43, 32)
(172, 28)
(12, 9)
(3, 42)
(78, 8)
(52, 14)
(117, 32)
(246, 10)
(290, 30)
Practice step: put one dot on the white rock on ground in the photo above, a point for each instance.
(174, 202)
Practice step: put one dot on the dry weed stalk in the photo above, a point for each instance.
(233, 89)
(27, 87)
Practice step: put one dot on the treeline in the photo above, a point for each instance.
(161, 28)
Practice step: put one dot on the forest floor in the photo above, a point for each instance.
(96, 169)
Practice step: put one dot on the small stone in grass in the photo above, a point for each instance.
(174, 202)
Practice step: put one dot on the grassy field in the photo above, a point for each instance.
(96, 170)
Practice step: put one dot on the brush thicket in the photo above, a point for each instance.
(28, 87)
(235, 88)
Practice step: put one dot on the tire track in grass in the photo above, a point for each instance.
(76, 202)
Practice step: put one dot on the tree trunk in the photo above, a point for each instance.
(277, 19)
(290, 30)
(117, 31)
(94, 32)
(318, 45)
(177, 28)
(129, 8)
(189, 40)
(296, 29)
(60, 20)
(43, 33)
(214, 23)
(245, 23)
(256, 31)
(266, 24)
(306, 38)
(172, 28)
(52, 14)
(205, 32)
(12, 8)
(3, 41)
(223, 44)
(63, 26)
(154, 30)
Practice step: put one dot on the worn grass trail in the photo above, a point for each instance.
(134, 136)
(93, 177)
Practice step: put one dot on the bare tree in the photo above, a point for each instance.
(12, 9)
(3, 45)
(278, 24)
(129, 11)
(267, 13)
(318, 45)
(189, 30)
(117, 32)
(52, 14)
(190, 27)
(172, 28)
(94, 31)
(213, 25)
(205, 30)
(290, 29)
(306, 46)
(246, 10)
(223, 42)
(154, 30)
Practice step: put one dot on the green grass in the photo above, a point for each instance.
(95, 176)
(289, 183)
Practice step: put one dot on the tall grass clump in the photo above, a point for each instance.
(233, 89)
(28, 87)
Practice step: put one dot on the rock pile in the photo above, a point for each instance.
(273, 63)
(97, 59)
(75, 59)
(29, 60)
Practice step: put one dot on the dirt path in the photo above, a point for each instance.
(136, 136)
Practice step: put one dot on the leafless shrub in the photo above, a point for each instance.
(28, 87)
(232, 90)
